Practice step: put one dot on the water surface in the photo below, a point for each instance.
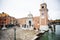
(51, 35)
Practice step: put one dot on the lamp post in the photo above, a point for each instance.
(14, 33)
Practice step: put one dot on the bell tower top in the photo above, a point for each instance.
(43, 6)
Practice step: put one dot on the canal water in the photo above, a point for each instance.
(51, 35)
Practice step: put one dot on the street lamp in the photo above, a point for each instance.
(14, 33)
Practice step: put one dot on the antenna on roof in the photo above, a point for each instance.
(29, 12)
(43, 1)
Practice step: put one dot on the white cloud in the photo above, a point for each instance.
(21, 8)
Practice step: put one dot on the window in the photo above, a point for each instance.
(38, 21)
(4, 19)
(42, 6)
(42, 14)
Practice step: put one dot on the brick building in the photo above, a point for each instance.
(6, 20)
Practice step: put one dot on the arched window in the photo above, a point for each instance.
(42, 6)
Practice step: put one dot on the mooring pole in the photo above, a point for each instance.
(54, 28)
(14, 33)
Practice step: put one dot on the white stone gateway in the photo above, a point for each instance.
(29, 22)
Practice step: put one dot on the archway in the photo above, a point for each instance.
(29, 23)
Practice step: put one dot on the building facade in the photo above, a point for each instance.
(6, 20)
(36, 23)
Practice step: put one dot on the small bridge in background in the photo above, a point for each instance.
(56, 22)
(53, 23)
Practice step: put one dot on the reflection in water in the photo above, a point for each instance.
(51, 35)
(57, 32)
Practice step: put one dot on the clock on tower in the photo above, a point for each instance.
(42, 15)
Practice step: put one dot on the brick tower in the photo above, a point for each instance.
(43, 17)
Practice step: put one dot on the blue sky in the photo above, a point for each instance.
(21, 8)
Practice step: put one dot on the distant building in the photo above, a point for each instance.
(37, 23)
(5, 19)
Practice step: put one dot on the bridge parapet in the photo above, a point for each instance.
(51, 22)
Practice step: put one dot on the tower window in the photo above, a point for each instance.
(42, 14)
(42, 6)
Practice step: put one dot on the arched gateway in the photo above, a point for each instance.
(29, 22)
